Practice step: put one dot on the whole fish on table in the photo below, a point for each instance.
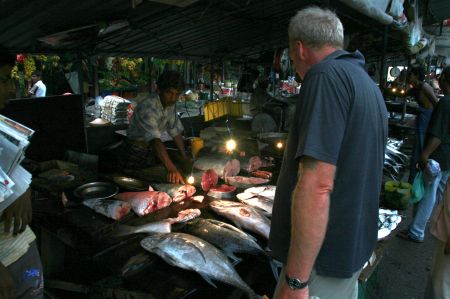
(178, 192)
(224, 236)
(145, 202)
(111, 208)
(244, 182)
(257, 201)
(243, 216)
(163, 226)
(192, 253)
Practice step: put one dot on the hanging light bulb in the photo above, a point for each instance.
(190, 180)
(402, 91)
(230, 145)
(394, 89)
(279, 144)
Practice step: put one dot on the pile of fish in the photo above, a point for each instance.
(394, 160)
(388, 220)
(142, 202)
(259, 197)
(192, 253)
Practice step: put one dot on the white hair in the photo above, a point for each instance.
(316, 27)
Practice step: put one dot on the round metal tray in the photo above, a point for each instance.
(130, 183)
(96, 190)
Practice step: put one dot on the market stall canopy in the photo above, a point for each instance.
(162, 28)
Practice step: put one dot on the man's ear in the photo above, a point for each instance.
(302, 50)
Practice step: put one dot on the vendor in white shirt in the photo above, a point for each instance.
(38, 89)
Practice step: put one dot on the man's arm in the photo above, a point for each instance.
(429, 93)
(174, 176)
(310, 207)
(179, 142)
(431, 145)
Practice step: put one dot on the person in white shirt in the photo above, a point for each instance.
(38, 89)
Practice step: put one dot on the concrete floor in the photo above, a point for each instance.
(403, 271)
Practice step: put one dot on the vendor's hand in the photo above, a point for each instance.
(174, 177)
(423, 161)
(7, 287)
(285, 292)
(20, 211)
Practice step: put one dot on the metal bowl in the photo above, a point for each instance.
(130, 183)
(96, 190)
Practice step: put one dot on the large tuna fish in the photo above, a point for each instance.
(243, 216)
(191, 253)
(114, 209)
(162, 226)
(224, 236)
(178, 192)
(146, 202)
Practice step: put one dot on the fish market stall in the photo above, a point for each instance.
(131, 234)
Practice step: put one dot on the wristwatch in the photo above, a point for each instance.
(295, 283)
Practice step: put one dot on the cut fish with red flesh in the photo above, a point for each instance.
(262, 174)
(185, 216)
(146, 202)
(209, 179)
(252, 164)
(242, 181)
(222, 165)
(223, 191)
(178, 192)
(198, 198)
(114, 209)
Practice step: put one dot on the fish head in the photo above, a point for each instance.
(152, 241)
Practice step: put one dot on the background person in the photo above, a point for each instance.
(424, 95)
(438, 149)
(38, 89)
(325, 182)
(151, 119)
(20, 265)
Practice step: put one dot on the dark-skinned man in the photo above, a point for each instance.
(153, 118)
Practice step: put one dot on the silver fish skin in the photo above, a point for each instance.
(243, 216)
(192, 253)
(163, 226)
(259, 202)
(224, 236)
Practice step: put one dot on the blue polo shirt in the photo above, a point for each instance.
(341, 119)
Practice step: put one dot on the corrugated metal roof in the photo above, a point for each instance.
(203, 29)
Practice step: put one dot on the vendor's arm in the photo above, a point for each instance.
(431, 145)
(174, 176)
(429, 93)
(18, 213)
(6, 283)
(179, 142)
(310, 206)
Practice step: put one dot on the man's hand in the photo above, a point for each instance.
(285, 292)
(423, 161)
(174, 177)
(7, 287)
(20, 211)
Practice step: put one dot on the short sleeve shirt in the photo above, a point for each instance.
(440, 127)
(150, 120)
(340, 119)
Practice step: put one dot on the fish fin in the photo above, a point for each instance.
(208, 280)
(124, 230)
(234, 259)
(276, 268)
(198, 249)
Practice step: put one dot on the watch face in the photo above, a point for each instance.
(295, 283)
